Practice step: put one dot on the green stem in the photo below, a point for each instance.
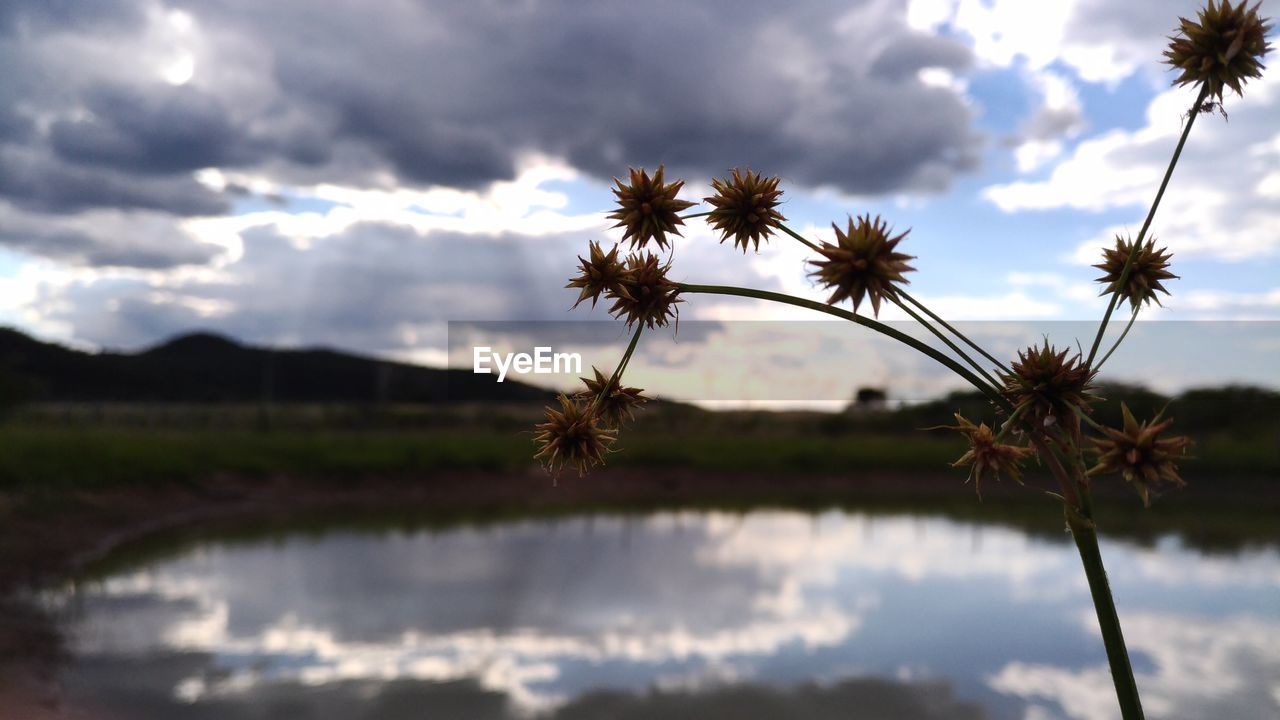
(1086, 537)
(1119, 340)
(1133, 252)
(954, 348)
(1009, 424)
(879, 327)
(695, 215)
(955, 332)
(1079, 514)
(797, 236)
(1090, 421)
(617, 372)
(1069, 494)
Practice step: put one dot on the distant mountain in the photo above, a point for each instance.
(204, 367)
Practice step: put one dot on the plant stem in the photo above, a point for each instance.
(798, 236)
(954, 348)
(1069, 494)
(1079, 513)
(1086, 537)
(1119, 340)
(1009, 424)
(1137, 244)
(954, 331)
(695, 215)
(879, 327)
(617, 372)
(1090, 421)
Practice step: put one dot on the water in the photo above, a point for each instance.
(765, 615)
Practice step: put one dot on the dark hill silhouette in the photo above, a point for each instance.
(205, 367)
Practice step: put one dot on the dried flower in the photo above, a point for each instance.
(615, 406)
(572, 435)
(1051, 385)
(1225, 48)
(649, 297)
(1138, 453)
(862, 262)
(745, 208)
(1150, 266)
(602, 273)
(985, 455)
(648, 208)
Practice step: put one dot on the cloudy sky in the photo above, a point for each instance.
(357, 174)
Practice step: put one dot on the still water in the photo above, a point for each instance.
(773, 614)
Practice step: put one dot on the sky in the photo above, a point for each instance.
(357, 175)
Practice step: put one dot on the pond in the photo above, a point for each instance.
(767, 614)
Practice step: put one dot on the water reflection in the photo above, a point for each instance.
(771, 614)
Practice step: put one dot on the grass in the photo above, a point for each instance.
(34, 456)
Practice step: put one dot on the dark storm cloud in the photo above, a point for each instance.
(451, 93)
(167, 130)
(42, 183)
(152, 243)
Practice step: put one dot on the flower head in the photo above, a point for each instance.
(615, 406)
(985, 455)
(1224, 48)
(862, 262)
(745, 208)
(1150, 267)
(1053, 386)
(647, 296)
(572, 435)
(1140, 455)
(648, 208)
(603, 273)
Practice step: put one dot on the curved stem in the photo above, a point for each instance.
(1119, 340)
(879, 327)
(797, 236)
(955, 332)
(1137, 244)
(954, 348)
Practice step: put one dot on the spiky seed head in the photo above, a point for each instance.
(648, 208)
(986, 456)
(1223, 48)
(745, 208)
(647, 296)
(602, 273)
(1150, 267)
(617, 404)
(1138, 454)
(862, 263)
(572, 435)
(1052, 385)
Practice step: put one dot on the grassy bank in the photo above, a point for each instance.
(35, 458)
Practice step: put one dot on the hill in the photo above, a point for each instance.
(203, 367)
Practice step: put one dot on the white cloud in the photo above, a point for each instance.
(1200, 668)
(1218, 203)
(1101, 41)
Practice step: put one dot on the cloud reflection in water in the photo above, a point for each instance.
(673, 614)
